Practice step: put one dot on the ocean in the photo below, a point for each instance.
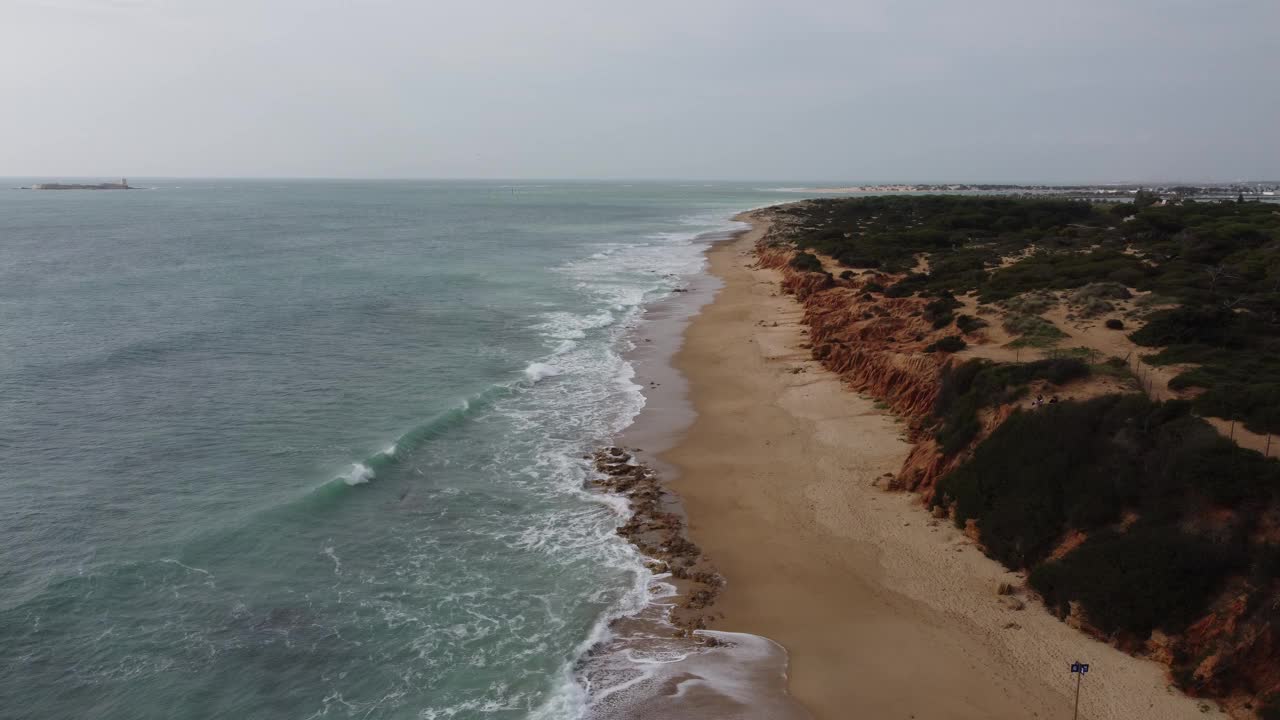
(315, 449)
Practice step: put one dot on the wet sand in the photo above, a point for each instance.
(884, 612)
(642, 672)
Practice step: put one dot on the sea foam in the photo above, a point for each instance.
(359, 474)
(539, 371)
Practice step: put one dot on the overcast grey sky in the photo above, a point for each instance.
(984, 90)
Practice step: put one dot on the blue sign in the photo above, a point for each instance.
(1081, 668)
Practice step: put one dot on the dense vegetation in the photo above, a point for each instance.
(1219, 261)
(1139, 479)
(1138, 513)
(1238, 354)
(807, 262)
(977, 384)
(950, 344)
(1139, 580)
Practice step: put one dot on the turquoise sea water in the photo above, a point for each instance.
(282, 449)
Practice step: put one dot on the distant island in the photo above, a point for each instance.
(122, 185)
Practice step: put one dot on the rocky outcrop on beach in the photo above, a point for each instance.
(657, 530)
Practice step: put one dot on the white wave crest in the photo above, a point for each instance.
(562, 325)
(537, 371)
(359, 474)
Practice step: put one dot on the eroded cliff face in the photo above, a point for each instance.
(876, 345)
(1233, 653)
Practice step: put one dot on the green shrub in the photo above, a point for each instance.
(907, 286)
(1032, 330)
(1138, 581)
(1238, 358)
(969, 323)
(1101, 290)
(1256, 403)
(1031, 303)
(857, 261)
(1043, 468)
(806, 262)
(1080, 352)
(970, 386)
(938, 312)
(1081, 466)
(1115, 324)
(1057, 270)
(1016, 493)
(950, 344)
(1215, 469)
(1094, 307)
(1184, 326)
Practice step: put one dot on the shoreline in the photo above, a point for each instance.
(880, 608)
(662, 662)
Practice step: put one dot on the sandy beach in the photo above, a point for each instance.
(885, 612)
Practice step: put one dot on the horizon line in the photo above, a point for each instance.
(805, 183)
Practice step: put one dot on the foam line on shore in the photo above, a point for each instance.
(659, 662)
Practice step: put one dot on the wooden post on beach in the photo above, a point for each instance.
(1079, 669)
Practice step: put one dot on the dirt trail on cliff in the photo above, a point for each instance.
(886, 612)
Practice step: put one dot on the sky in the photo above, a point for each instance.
(850, 90)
